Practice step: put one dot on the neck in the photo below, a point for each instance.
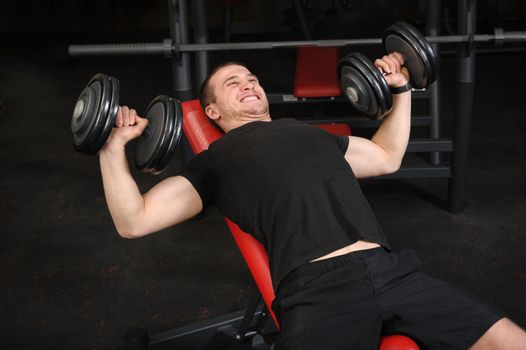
(230, 124)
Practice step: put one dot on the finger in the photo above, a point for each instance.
(392, 79)
(405, 73)
(393, 64)
(398, 56)
(118, 119)
(389, 80)
(395, 79)
(384, 67)
(141, 123)
(132, 116)
(125, 116)
(138, 129)
(138, 119)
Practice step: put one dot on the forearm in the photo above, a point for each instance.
(393, 135)
(125, 202)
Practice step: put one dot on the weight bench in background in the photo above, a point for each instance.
(316, 72)
(246, 329)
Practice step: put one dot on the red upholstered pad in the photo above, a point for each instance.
(397, 342)
(339, 129)
(316, 72)
(199, 130)
(257, 260)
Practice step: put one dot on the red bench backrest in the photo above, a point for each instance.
(201, 132)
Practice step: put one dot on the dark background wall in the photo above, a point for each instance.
(151, 15)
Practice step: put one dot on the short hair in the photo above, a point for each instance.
(206, 95)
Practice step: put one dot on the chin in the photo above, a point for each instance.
(256, 111)
(259, 114)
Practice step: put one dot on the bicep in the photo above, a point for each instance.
(366, 158)
(170, 202)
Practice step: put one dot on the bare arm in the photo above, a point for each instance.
(383, 154)
(170, 202)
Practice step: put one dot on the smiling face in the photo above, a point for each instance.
(237, 98)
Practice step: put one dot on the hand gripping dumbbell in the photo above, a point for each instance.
(365, 86)
(94, 117)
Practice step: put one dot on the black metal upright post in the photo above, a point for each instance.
(227, 21)
(433, 29)
(466, 90)
(201, 37)
(181, 68)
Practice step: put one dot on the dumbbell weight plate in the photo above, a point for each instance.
(381, 88)
(429, 58)
(110, 120)
(84, 113)
(175, 136)
(419, 57)
(357, 91)
(157, 144)
(364, 86)
(94, 113)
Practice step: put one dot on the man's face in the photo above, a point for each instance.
(238, 94)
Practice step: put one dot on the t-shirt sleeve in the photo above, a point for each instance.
(200, 175)
(342, 142)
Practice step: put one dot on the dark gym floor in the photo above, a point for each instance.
(68, 281)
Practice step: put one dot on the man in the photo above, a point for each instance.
(294, 188)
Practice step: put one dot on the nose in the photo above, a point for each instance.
(248, 86)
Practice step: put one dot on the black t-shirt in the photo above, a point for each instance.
(288, 184)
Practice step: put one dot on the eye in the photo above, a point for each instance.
(231, 83)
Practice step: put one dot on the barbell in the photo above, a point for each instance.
(169, 48)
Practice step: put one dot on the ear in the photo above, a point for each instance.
(212, 112)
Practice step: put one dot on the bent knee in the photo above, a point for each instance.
(504, 334)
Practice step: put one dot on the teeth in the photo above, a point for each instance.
(249, 98)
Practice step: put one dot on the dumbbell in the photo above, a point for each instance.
(365, 86)
(94, 117)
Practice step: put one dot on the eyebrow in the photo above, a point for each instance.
(233, 77)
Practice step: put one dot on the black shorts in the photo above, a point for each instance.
(350, 301)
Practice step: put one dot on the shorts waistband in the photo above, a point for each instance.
(325, 265)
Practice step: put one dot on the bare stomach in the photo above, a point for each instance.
(356, 246)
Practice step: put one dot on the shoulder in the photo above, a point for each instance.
(286, 121)
(199, 161)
